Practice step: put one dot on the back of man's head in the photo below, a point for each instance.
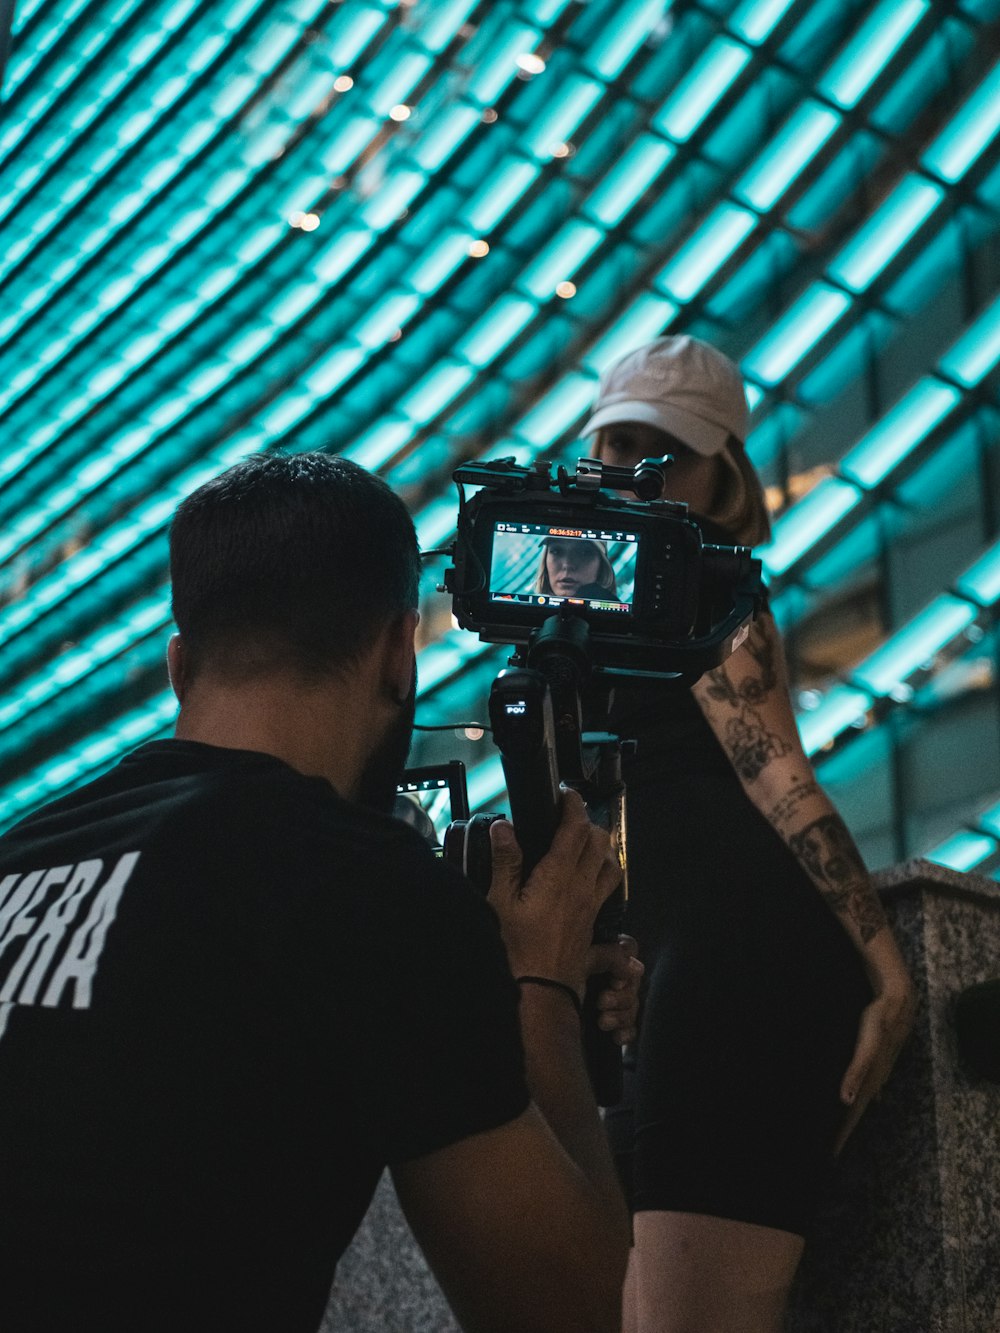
(291, 564)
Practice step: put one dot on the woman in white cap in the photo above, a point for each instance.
(777, 998)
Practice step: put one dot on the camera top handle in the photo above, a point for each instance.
(646, 480)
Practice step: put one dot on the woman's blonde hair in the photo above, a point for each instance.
(605, 570)
(739, 505)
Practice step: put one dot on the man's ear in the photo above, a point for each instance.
(399, 659)
(175, 666)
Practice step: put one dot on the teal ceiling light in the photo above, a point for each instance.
(554, 414)
(341, 363)
(115, 541)
(380, 442)
(905, 651)
(436, 525)
(108, 641)
(808, 129)
(433, 268)
(497, 65)
(981, 581)
(495, 330)
(95, 752)
(701, 257)
(608, 55)
(807, 522)
(27, 56)
(441, 22)
(963, 850)
(697, 95)
(361, 29)
(105, 79)
(645, 316)
(840, 708)
(909, 648)
(446, 381)
(755, 20)
(870, 49)
(498, 195)
(628, 179)
(88, 238)
(796, 333)
(570, 103)
(977, 352)
(442, 659)
(559, 260)
(989, 820)
(899, 432)
(967, 134)
(885, 233)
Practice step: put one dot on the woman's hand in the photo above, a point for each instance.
(885, 1025)
(618, 1005)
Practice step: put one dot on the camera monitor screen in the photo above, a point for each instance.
(429, 798)
(541, 565)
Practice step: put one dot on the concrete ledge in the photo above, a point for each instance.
(910, 1239)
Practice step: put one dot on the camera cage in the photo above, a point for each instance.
(691, 603)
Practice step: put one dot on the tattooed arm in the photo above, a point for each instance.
(747, 705)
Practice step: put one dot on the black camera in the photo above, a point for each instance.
(655, 596)
(588, 587)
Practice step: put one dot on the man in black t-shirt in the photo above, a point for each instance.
(233, 989)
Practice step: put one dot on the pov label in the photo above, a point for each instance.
(53, 924)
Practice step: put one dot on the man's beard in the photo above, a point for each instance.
(377, 787)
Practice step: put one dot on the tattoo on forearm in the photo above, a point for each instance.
(720, 687)
(827, 850)
(761, 647)
(755, 686)
(750, 745)
(801, 790)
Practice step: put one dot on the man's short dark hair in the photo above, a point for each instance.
(289, 563)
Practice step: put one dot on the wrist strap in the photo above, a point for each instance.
(554, 985)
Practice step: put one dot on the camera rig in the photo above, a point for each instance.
(638, 595)
(686, 604)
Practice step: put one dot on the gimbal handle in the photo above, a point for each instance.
(526, 733)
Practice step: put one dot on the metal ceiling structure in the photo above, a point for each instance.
(414, 233)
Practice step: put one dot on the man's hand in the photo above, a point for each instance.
(548, 922)
(618, 1006)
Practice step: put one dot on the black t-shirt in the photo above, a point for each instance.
(228, 999)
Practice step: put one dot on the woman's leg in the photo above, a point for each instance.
(630, 1297)
(692, 1273)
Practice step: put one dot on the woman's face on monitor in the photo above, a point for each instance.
(571, 565)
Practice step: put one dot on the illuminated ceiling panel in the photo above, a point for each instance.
(417, 232)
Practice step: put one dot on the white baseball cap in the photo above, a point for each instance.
(681, 385)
